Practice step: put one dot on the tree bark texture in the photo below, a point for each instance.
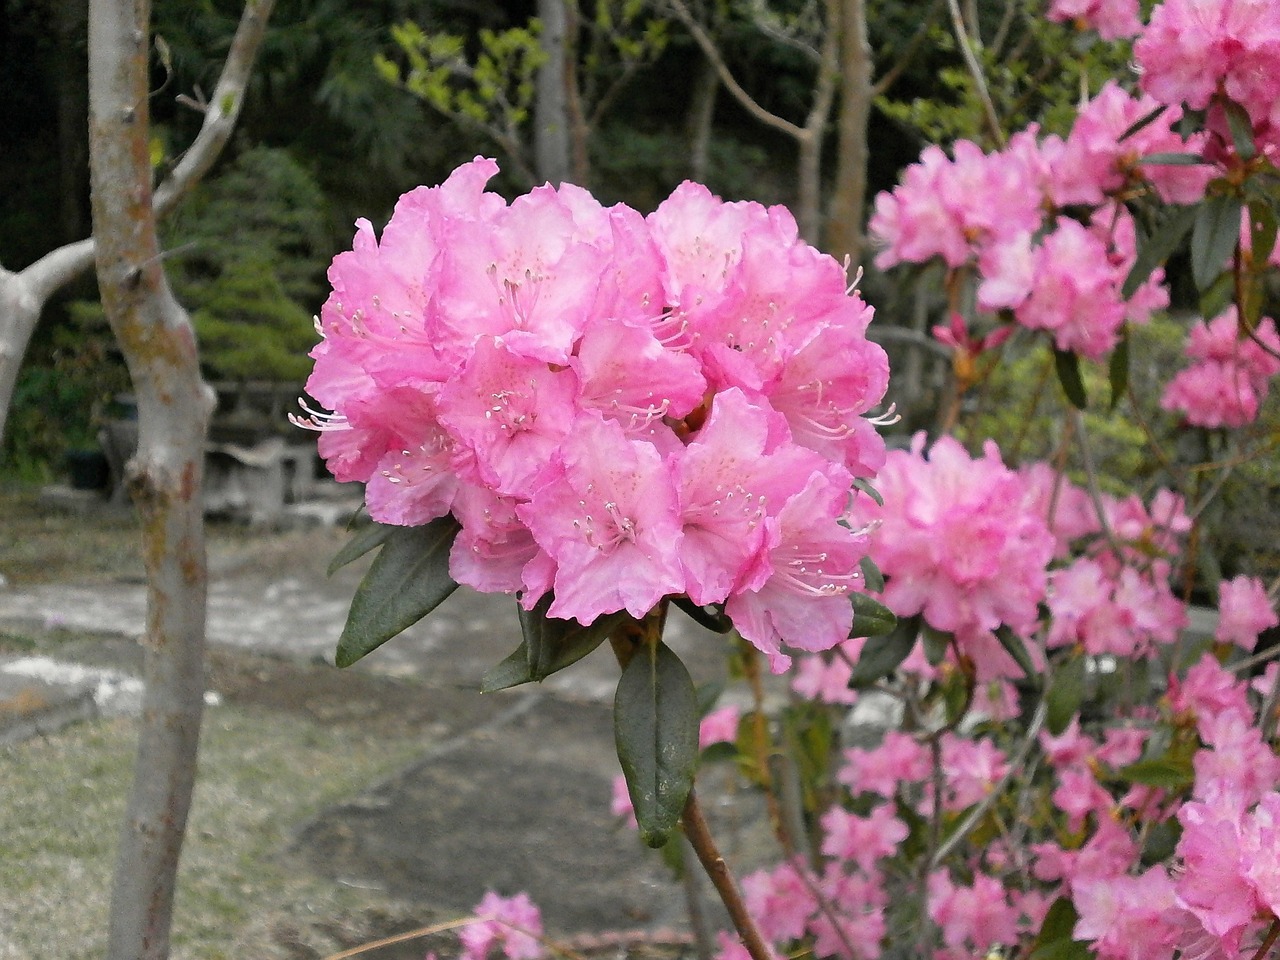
(845, 236)
(24, 294)
(165, 477)
(551, 108)
(698, 123)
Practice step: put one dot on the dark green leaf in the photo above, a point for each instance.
(1241, 130)
(1216, 232)
(1118, 368)
(1262, 230)
(881, 655)
(1173, 159)
(655, 723)
(408, 579)
(935, 644)
(712, 619)
(554, 644)
(871, 574)
(709, 694)
(1068, 366)
(1171, 771)
(1054, 941)
(367, 538)
(1219, 295)
(866, 487)
(1156, 249)
(1066, 693)
(1143, 122)
(1018, 650)
(511, 672)
(871, 618)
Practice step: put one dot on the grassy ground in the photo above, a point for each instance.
(262, 772)
(270, 758)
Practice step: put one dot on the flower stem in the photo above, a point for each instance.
(695, 828)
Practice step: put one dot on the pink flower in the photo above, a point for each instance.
(899, 758)
(862, 840)
(1112, 19)
(719, 726)
(513, 924)
(1229, 375)
(780, 901)
(972, 769)
(1244, 611)
(1126, 917)
(819, 677)
(976, 917)
(958, 542)
(606, 513)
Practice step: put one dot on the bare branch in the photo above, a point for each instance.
(712, 53)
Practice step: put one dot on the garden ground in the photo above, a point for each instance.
(333, 807)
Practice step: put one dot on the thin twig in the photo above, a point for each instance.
(695, 828)
(1273, 933)
(975, 70)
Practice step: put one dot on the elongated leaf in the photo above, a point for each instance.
(1143, 122)
(1241, 130)
(655, 724)
(554, 644)
(1018, 650)
(1156, 249)
(1066, 693)
(871, 574)
(408, 579)
(871, 618)
(511, 672)
(1118, 368)
(713, 619)
(1172, 772)
(1216, 232)
(1054, 941)
(1173, 159)
(1262, 230)
(1219, 295)
(1068, 367)
(935, 644)
(881, 655)
(367, 538)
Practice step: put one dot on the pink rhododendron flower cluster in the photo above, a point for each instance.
(1244, 611)
(960, 543)
(511, 924)
(1110, 19)
(615, 408)
(1193, 49)
(1230, 373)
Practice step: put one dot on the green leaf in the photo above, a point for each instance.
(871, 618)
(511, 672)
(1171, 771)
(1018, 650)
(1118, 368)
(865, 486)
(549, 645)
(408, 579)
(655, 724)
(367, 538)
(1219, 295)
(935, 644)
(871, 574)
(554, 644)
(1068, 366)
(1214, 236)
(1156, 249)
(1054, 941)
(1066, 693)
(881, 655)
(712, 619)
(1262, 231)
(1143, 122)
(1241, 130)
(1173, 159)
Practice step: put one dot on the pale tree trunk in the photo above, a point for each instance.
(845, 234)
(698, 124)
(165, 476)
(551, 107)
(809, 201)
(24, 294)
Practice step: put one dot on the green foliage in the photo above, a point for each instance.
(250, 249)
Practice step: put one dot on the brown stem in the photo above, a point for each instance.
(1273, 933)
(695, 828)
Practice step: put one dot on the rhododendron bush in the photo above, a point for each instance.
(1002, 735)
